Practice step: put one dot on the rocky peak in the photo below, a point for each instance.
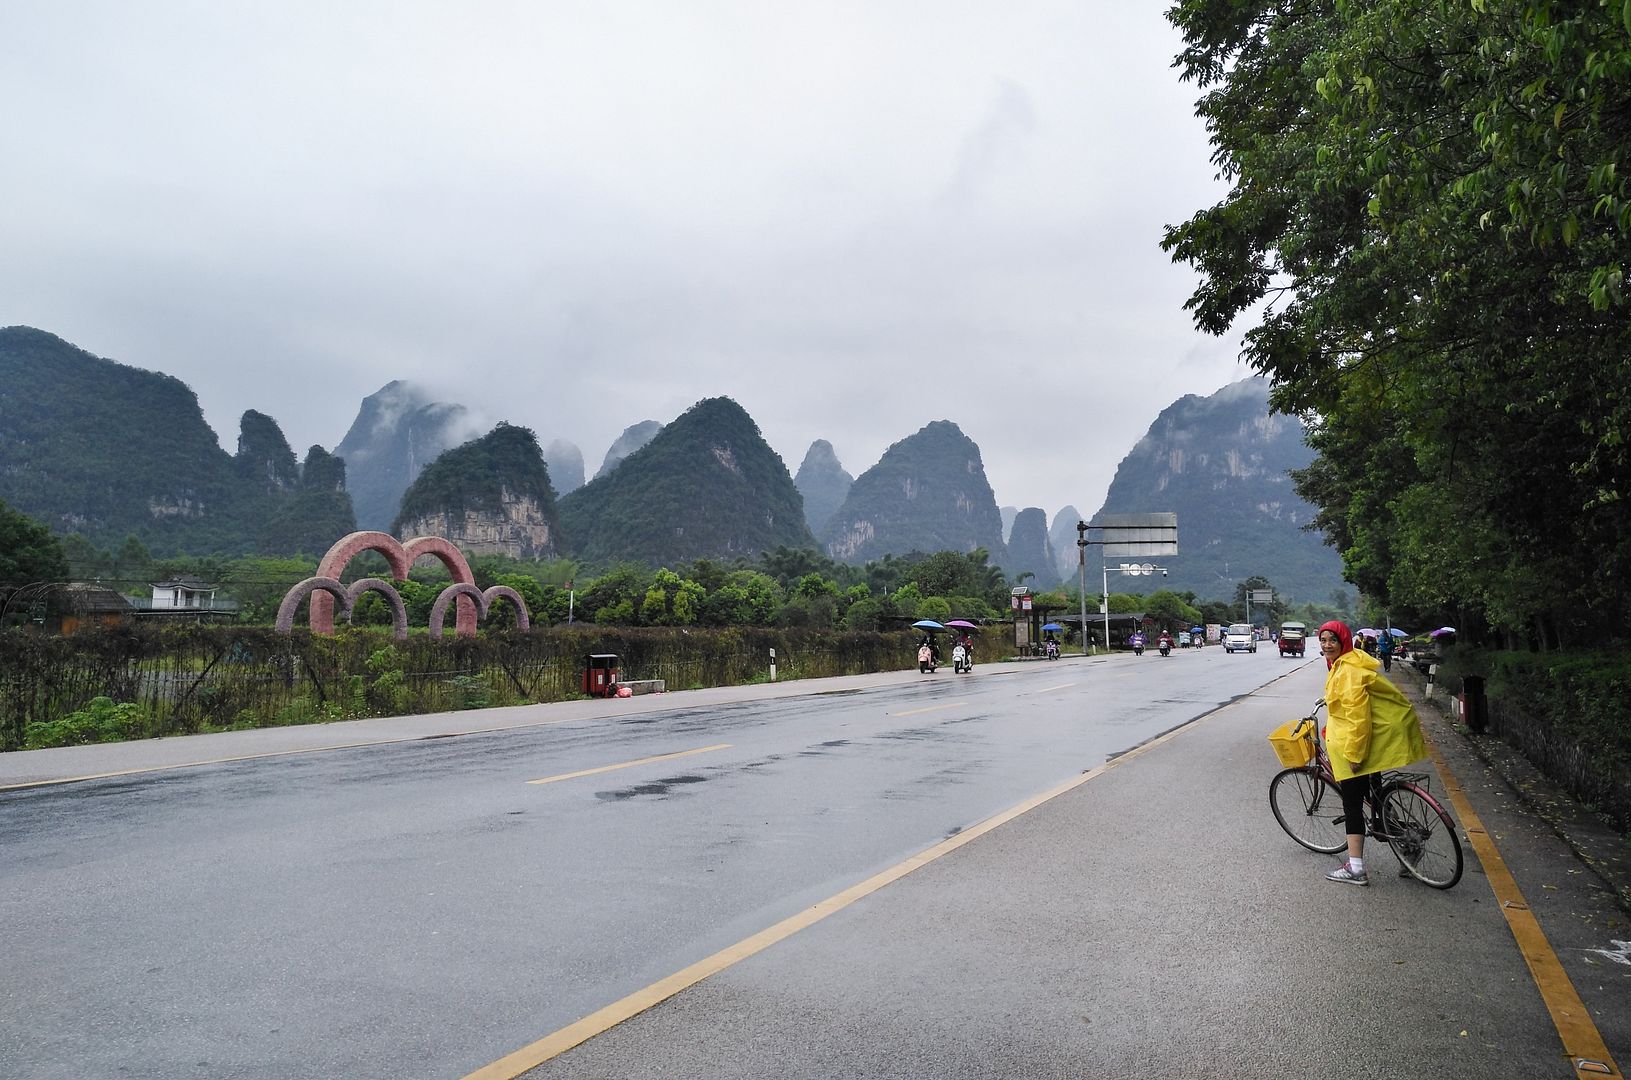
(822, 481)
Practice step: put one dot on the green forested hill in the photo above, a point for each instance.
(100, 449)
(1222, 463)
(707, 486)
(927, 493)
(476, 475)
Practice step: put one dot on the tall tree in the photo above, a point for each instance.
(1431, 201)
(28, 551)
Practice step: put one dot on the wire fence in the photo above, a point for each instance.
(143, 681)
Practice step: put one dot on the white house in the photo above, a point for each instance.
(183, 592)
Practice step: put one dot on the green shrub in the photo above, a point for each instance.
(101, 720)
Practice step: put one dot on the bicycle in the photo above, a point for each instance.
(1399, 809)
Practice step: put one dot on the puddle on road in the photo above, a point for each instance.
(658, 788)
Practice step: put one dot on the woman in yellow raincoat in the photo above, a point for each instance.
(1370, 727)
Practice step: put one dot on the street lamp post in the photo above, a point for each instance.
(1081, 579)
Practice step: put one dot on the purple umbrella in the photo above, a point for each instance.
(1441, 631)
(963, 624)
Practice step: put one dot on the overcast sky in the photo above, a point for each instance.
(854, 218)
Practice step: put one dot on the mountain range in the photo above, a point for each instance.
(94, 447)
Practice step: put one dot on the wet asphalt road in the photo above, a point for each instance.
(419, 910)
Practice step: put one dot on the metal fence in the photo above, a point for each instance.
(186, 679)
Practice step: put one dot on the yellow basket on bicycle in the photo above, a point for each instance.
(1293, 742)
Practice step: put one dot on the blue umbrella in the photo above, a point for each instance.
(1053, 628)
(1396, 632)
(927, 624)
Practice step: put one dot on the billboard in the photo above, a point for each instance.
(1128, 536)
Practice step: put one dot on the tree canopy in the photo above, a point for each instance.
(1430, 203)
(28, 551)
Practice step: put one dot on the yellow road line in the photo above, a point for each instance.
(602, 1020)
(630, 764)
(1582, 1042)
(927, 708)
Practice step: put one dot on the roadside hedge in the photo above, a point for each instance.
(1568, 713)
(146, 681)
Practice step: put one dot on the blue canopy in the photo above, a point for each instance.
(927, 624)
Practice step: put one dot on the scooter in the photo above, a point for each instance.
(959, 660)
(925, 661)
(1053, 650)
(1138, 648)
(1165, 647)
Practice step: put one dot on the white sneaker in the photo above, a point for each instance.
(1347, 877)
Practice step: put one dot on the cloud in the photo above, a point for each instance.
(852, 218)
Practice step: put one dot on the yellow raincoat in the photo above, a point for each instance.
(1370, 726)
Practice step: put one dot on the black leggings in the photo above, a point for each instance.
(1355, 790)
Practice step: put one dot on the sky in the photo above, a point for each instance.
(853, 218)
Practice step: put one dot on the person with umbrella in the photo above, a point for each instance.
(965, 641)
(928, 651)
(1384, 649)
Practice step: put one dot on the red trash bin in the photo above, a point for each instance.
(600, 674)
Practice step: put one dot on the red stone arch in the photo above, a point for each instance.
(339, 557)
(463, 592)
(458, 569)
(325, 587)
(523, 621)
(401, 557)
(399, 612)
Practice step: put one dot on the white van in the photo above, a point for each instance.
(1239, 638)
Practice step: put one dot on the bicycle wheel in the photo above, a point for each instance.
(1422, 836)
(1309, 808)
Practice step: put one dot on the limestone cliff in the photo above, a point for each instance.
(517, 527)
(490, 496)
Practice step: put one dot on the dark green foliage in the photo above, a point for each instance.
(264, 458)
(477, 476)
(927, 493)
(106, 451)
(707, 486)
(1435, 195)
(28, 551)
(1552, 707)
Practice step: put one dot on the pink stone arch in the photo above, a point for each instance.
(463, 592)
(399, 612)
(523, 621)
(401, 557)
(326, 587)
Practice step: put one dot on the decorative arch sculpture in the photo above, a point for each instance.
(325, 589)
(399, 611)
(401, 556)
(504, 592)
(462, 591)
